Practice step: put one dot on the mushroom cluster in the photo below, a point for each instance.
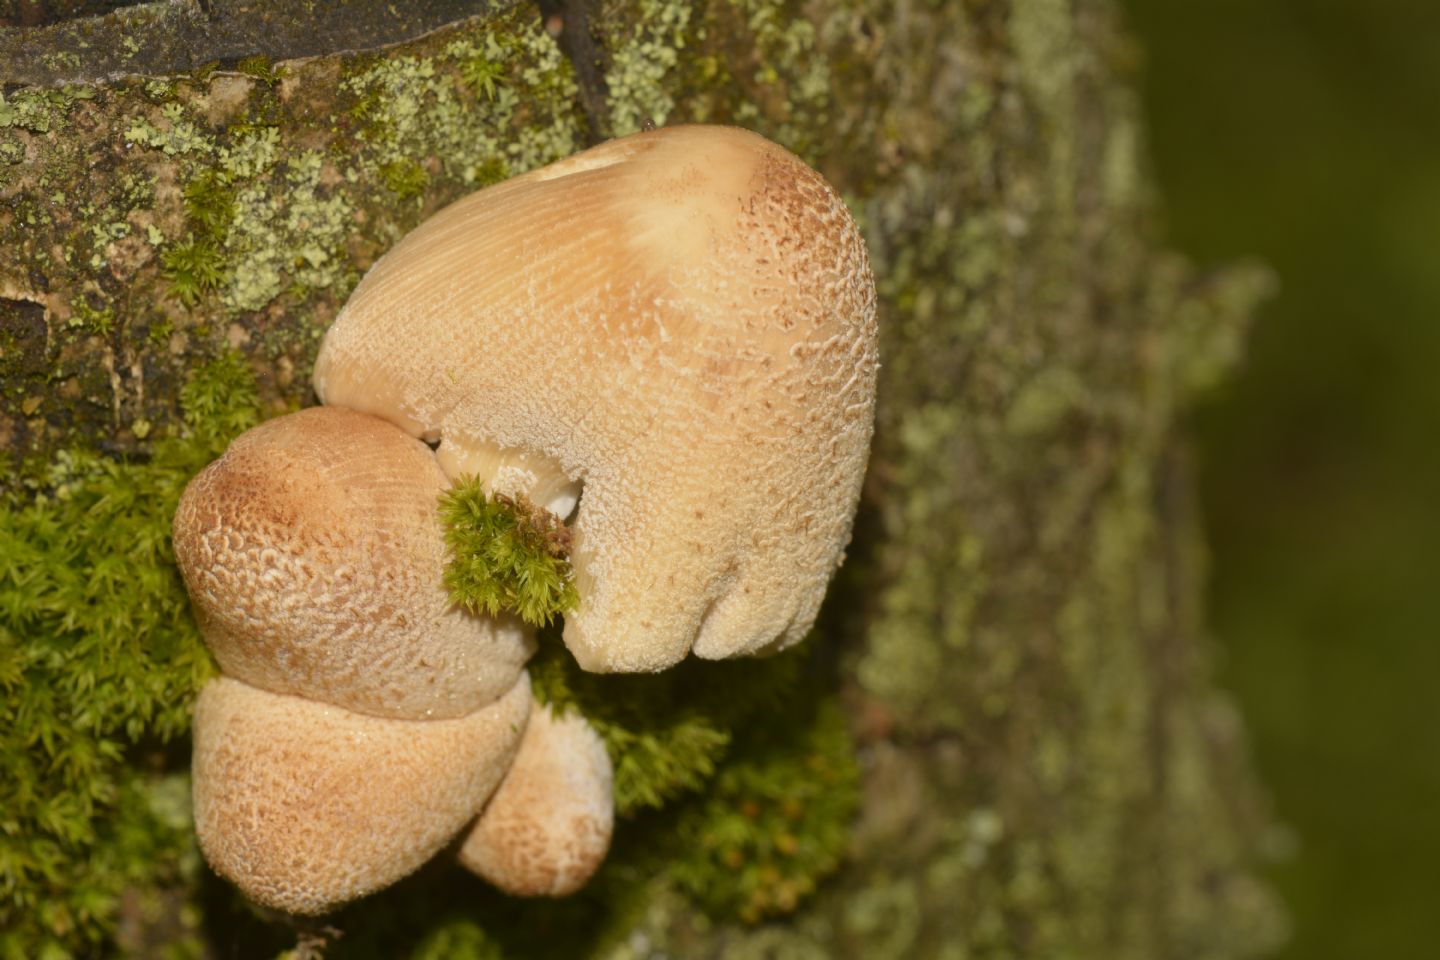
(669, 339)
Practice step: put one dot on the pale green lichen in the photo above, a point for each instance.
(292, 191)
(40, 111)
(413, 107)
(252, 155)
(639, 70)
(174, 132)
(886, 916)
(295, 236)
(666, 56)
(911, 642)
(788, 57)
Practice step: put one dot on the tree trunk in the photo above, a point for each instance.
(1048, 770)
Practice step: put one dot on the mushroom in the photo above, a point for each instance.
(671, 335)
(682, 322)
(363, 720)
(547, 827)
(314, 555)
(305, 806)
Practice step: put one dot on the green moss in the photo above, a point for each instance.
(195, 268)
(99, 663)
(91, 319)
(482, 75)
(405, 178)
(757, 766)
(666, 733)
(262, 69)
(775, 821)
(459, 939)
(209, 204)
(506, 555)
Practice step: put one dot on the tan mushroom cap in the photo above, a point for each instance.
(683, 321)
(547, 827)
(305, 806)
(314, 553)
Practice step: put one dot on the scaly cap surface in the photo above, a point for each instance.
(682, 320)
(314, 554)
(305, 806)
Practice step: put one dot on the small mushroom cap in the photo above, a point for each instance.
(684, 321)
(547, 827)
(305, 806)
(314, 553)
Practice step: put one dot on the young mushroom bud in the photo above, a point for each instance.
(305, 805)
(315, 557)
(547, 827)
(683, 321)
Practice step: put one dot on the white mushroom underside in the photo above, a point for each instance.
(511, 472)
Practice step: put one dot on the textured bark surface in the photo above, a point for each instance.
(1049, 771)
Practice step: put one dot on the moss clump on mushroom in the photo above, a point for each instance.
(506, 555)
(196, 266)
(654, 300)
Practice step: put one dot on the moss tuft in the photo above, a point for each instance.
(458, 939)
(261, 68)
(405, 178)
(506, 555)
(775, 822)
(210, 204)
(91, 319)
(195, 267)
(483, 76)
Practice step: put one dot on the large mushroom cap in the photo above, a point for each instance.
(314, 554)
(684, 322)
(305, 806)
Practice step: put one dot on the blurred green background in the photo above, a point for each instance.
(1307, 133)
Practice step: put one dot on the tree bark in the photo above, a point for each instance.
(1049, 770)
